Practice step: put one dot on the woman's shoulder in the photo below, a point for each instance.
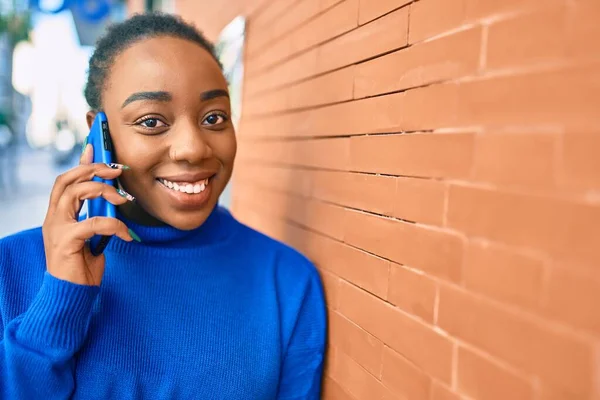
(22, 267)
(290, 263)
(22, 252)
(22, 243)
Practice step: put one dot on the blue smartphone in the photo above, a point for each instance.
(99, 138)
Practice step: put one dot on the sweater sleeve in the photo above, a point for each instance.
(38, 347)
(303, 362)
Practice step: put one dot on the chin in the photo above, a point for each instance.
(187, 221)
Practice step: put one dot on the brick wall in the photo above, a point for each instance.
(438, 160)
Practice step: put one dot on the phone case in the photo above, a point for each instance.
(99, 138)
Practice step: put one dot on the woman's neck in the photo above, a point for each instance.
(135, 213)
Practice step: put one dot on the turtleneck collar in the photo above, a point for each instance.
(217, 228)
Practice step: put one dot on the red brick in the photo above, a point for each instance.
(275, 43)
(377, 37)
(378, 114)
(480, 377)
(259, 25)
(504, 275)
(365, 270)
(419, 154)
(326, 4)
(550, 98)
(582, 24)
(549, 392)
(492, 9)
(418, 342)
(295, 69)
(369, 10)
(333, 391)
(430, 107)
(516, 159)
(431, 17)
(324, 153)
(406, 243)
(330, 356)
(419, 109)
(420, 200)
(321, 217)
(333, 22)
(272, 54)
(447, 58)
(267, 103)
(523, 341)
(331, 284)
(276, 202)
(571, 295)
(366, 192)
(280, 178)
(412, 292)
(270, 12)
(357, 343)
(295, 19)
(527, 39)
(441, 392)
(580, 161)
(303, 239)
(357, 381)
(564, 230)
(403, 378)
(330, 88)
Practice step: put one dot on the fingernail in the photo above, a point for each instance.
(83, 146)
(118, 166)
(134, 236)
(123, 193)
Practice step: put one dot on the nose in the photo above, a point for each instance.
(188, 143)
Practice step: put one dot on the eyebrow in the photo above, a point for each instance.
(153, 96)
(211, 94)
(166, 96)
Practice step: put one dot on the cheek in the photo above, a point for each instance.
(225, 148)
(138, 153)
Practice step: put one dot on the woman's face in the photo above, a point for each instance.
(169, 116)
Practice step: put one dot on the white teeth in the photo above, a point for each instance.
(188, 188)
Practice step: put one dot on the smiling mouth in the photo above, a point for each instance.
(186, 187)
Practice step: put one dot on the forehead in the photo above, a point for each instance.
(163, 63)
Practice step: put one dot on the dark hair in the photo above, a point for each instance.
(122, 35)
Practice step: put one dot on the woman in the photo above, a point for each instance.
(198, 306)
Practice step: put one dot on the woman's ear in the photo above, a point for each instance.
(90, 118)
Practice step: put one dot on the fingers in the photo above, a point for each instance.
(81, 173)
(104, 226)
(70, 202)
(87, 156)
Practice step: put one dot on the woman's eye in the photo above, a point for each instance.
(151, 123)
(214, 119)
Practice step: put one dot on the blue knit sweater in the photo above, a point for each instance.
(220, 312)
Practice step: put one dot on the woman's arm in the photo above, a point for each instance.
(303, 361)
(38, 347)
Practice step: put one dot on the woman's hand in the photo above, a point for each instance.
(67, 256)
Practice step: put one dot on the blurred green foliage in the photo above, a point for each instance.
(17, 26)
